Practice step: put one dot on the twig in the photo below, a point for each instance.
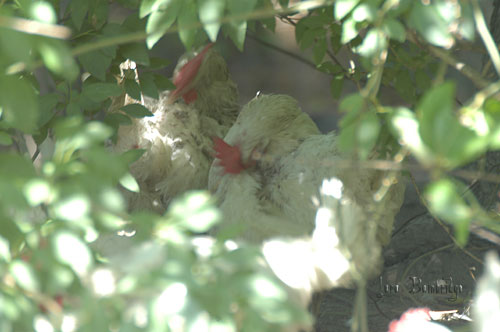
(488, 41)
(440, 223)
(281, 50)
(463, 68)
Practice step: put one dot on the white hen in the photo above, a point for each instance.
(279, 177)
(177, 139)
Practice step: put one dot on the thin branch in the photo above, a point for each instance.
(482, 28)
(463, 68)
(281, 50)
(443, 226)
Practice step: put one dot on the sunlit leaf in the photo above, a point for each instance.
(344, 7)
(24, 275)
(42, 11)
(427, 20)
(71, 250)
(73, 208)
(128, 182)
(210, 12)
(37, 191)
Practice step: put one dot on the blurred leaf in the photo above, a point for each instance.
(70, 250)
(18, 101)
(238, 27)
(5, 138)
(427, 20)
(58, 58)
(37, 191)
(96, 63)
(210, 12)
(128, 182)
(446, 203)
(406, 127)
(136, 52)
(158, 63)
(163, 83)
(196, 211)
(43, 11)
(101, 91)
(47, 105)
(132, 88)
(319, 50)
(352, 103)
(187, 23)
(336, 86)
(163, 16)
(344, 7)
(98, 13)
(364, 12)
(148, 86)
(72, 208)
(373, 44)
(394, 29)
(136, 110)
(404, 85)
(78, 9)
(349, 31)
(24, 275)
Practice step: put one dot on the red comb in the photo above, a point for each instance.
(229, 156)
(186, 76)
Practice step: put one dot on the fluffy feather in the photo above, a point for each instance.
(177, 139)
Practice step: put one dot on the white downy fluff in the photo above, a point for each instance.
(177, 139)
(319, 220)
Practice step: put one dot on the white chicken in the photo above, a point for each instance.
(276, 175)
(177, 139)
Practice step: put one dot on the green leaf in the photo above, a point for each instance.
(343, 7)
(136, 110)
(404, 85)
(405, 126)
(446, 203)
(161, 19)
(24, 275)
(349, 31)
(163, 83)
(352, 103)
(96, 63)
(37, 191)
(101, 91)
(5, 138)
(319, 50)
(237, 28)
(148, 85)
(210, 12)
(43, 11)
(136, 52)
(117, 119)
(128, 182)
(158, 63)
(336, 86)
(71, 250)
(373, 44)
(187, 23)
(47, 105)
(196, 211)
(58, 58)
(364, 12)
(18, 101)
(73, 208)
(394, 29)
(132, 89)
(367, 133)
(427, 20)
(78, 9)
(98, 13)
